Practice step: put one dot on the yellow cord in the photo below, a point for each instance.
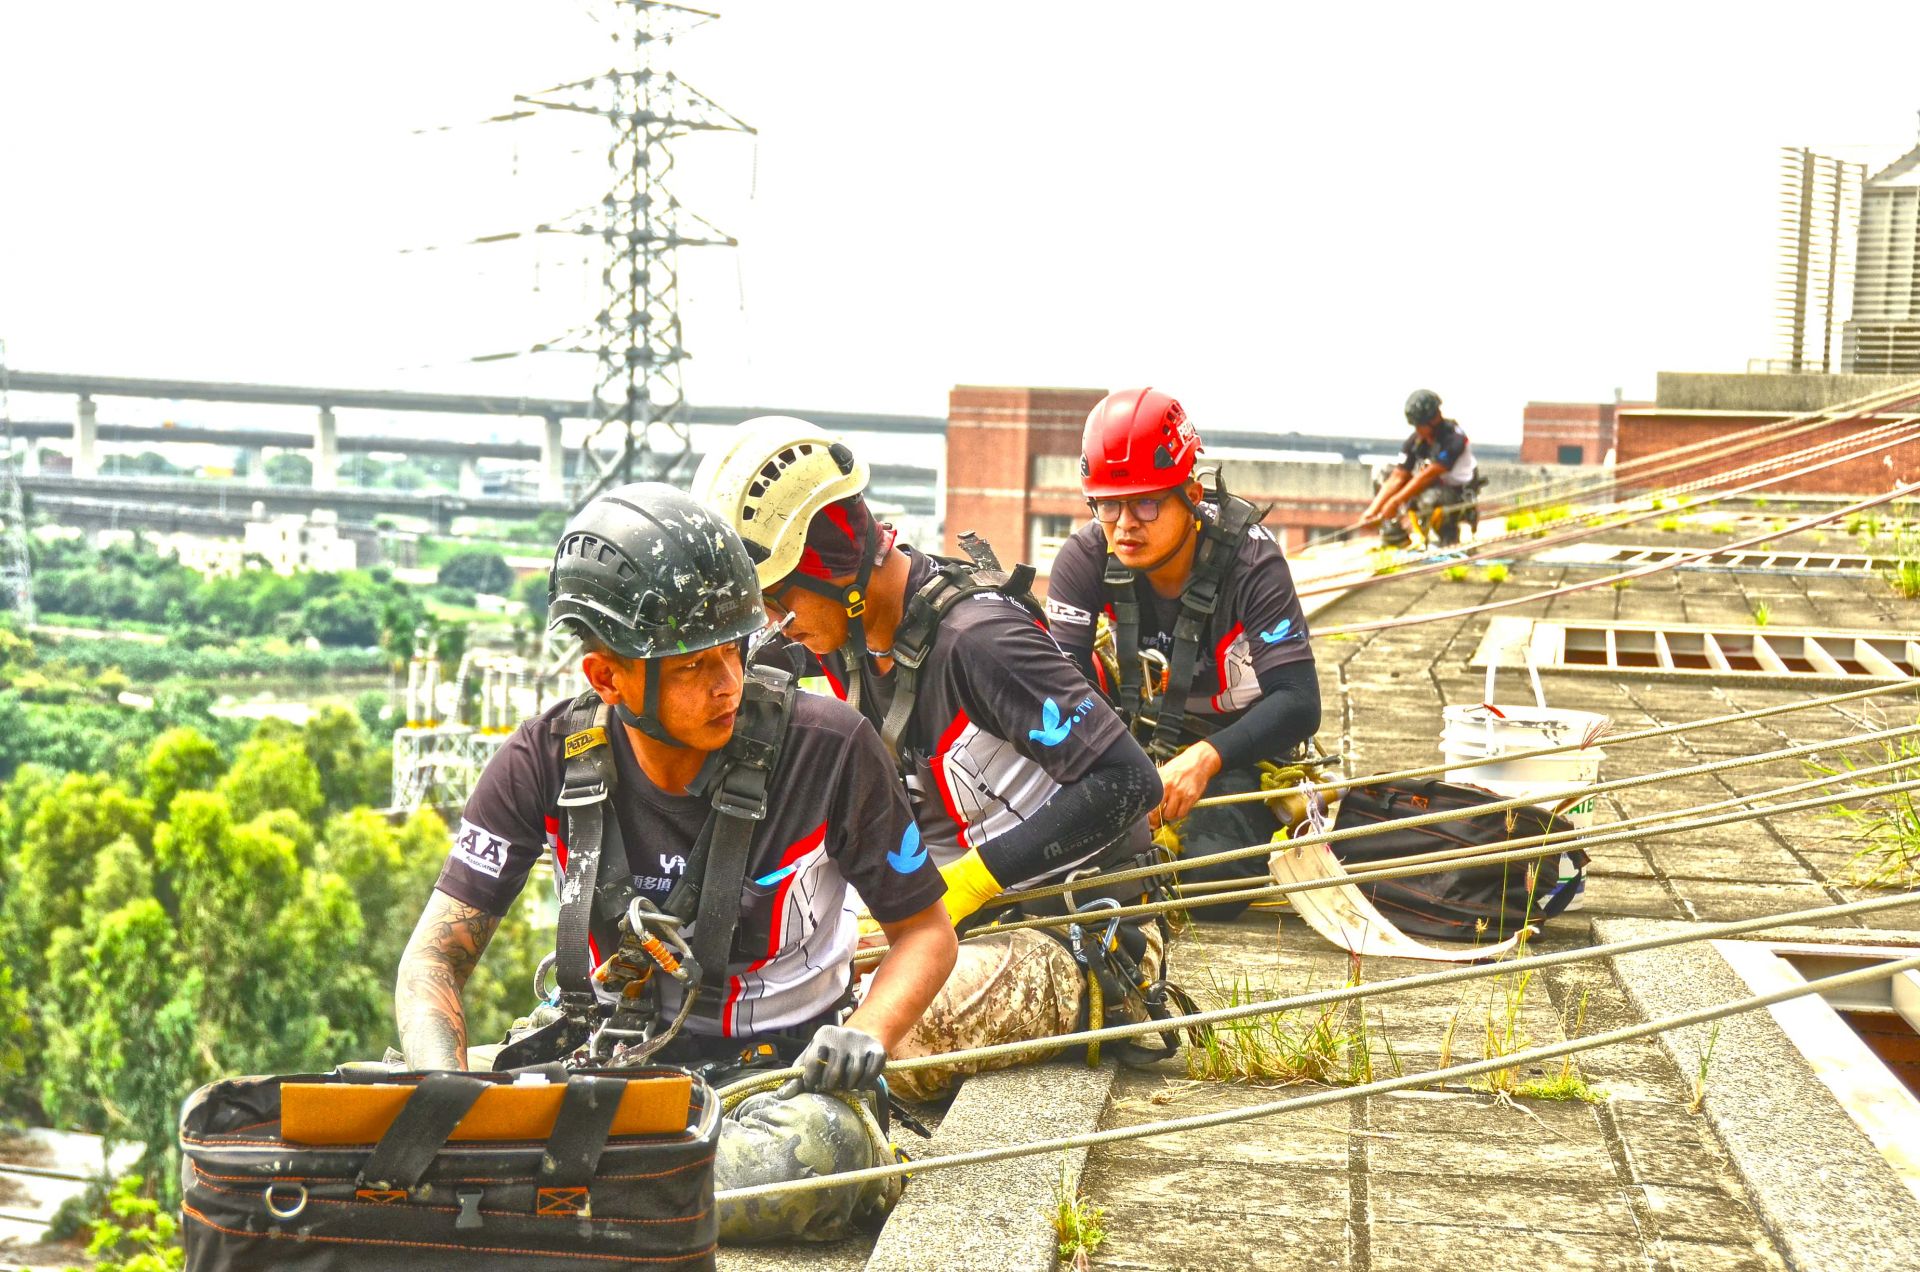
(1096, 1012)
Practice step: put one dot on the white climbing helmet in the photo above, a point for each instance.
(768, 479)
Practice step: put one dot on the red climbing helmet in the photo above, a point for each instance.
(1137, 440)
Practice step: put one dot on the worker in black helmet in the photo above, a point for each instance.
(1435, 479)
(703, 800)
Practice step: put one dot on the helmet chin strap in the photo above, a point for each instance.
(647, 719)
(854, 598)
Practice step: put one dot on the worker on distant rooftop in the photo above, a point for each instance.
(1018, 774)
(1209, 659)
(689, 793)
(1436, 477)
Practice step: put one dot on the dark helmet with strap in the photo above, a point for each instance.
(1423, 407)
(645, 572)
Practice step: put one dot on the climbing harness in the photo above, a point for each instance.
(613, 1008)
(1159, 719)
(951, 583)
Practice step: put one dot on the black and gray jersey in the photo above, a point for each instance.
(1257, 624)
(1001, 721)
(835, 816)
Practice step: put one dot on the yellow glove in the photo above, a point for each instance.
(970, 885)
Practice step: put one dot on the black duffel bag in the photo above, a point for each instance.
(1468, 903)
(440, 1171)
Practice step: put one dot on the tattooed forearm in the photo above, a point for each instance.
(445, 948)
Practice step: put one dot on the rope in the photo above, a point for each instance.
(1455, 814)
(1725, 444)
(1678, 489)
(1605, 580)
(1610, 739)
(1500, 545)
(1425, 1078)
(1531, 847)
(1348, 993)
(1645, 819)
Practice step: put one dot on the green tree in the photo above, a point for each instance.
(180, 759)
(342, 619)
(478, 570)
(349, 764)
(272, 772)
(533, 591)
(122, 1035)
(58, 844)
(288, 468)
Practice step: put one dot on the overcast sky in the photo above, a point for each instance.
(1289, 215)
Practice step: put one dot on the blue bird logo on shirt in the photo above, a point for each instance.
(1279, 633)
(910, 856)
(1054, 728)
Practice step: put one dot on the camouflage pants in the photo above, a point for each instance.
(1006, 987)
(765, 1139)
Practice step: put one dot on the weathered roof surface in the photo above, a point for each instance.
(1455, 1177)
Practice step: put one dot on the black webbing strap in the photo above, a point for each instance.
(584, 795)
(1212, 562)
(420, 1131)
(951, 583)
(710, 891)
(1126, 637)
(580, 1132)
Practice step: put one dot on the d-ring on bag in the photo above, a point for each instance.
(440, 1171)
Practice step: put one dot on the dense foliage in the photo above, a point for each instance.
(206, 907)
(478, 570)
(134, 583)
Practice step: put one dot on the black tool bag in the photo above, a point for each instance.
(450, 1171)
(1467, 903)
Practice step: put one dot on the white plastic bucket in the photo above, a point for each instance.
(1476, 733)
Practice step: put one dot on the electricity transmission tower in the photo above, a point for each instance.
(640, 432)
(16, 569)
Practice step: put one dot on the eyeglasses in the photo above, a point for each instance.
(1145, 508)
(776, 609)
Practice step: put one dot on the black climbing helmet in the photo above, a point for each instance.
(1423, 407)
(648, 573)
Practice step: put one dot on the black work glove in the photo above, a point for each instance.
(838, 1059)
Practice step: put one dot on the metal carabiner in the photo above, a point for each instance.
(288, 1212)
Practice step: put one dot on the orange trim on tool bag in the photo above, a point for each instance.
(695, 1217)
(562, 1201)
(302, 1238)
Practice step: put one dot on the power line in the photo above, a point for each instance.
(638, 384)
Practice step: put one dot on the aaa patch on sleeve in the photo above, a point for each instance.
(479, 849)
(1061, 612)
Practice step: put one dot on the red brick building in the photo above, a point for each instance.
(1013, 474)
(1568, 432)
(1648, 431)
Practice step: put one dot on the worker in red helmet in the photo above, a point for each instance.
(1209, 660)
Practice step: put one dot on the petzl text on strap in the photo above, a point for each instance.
(594, 851)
